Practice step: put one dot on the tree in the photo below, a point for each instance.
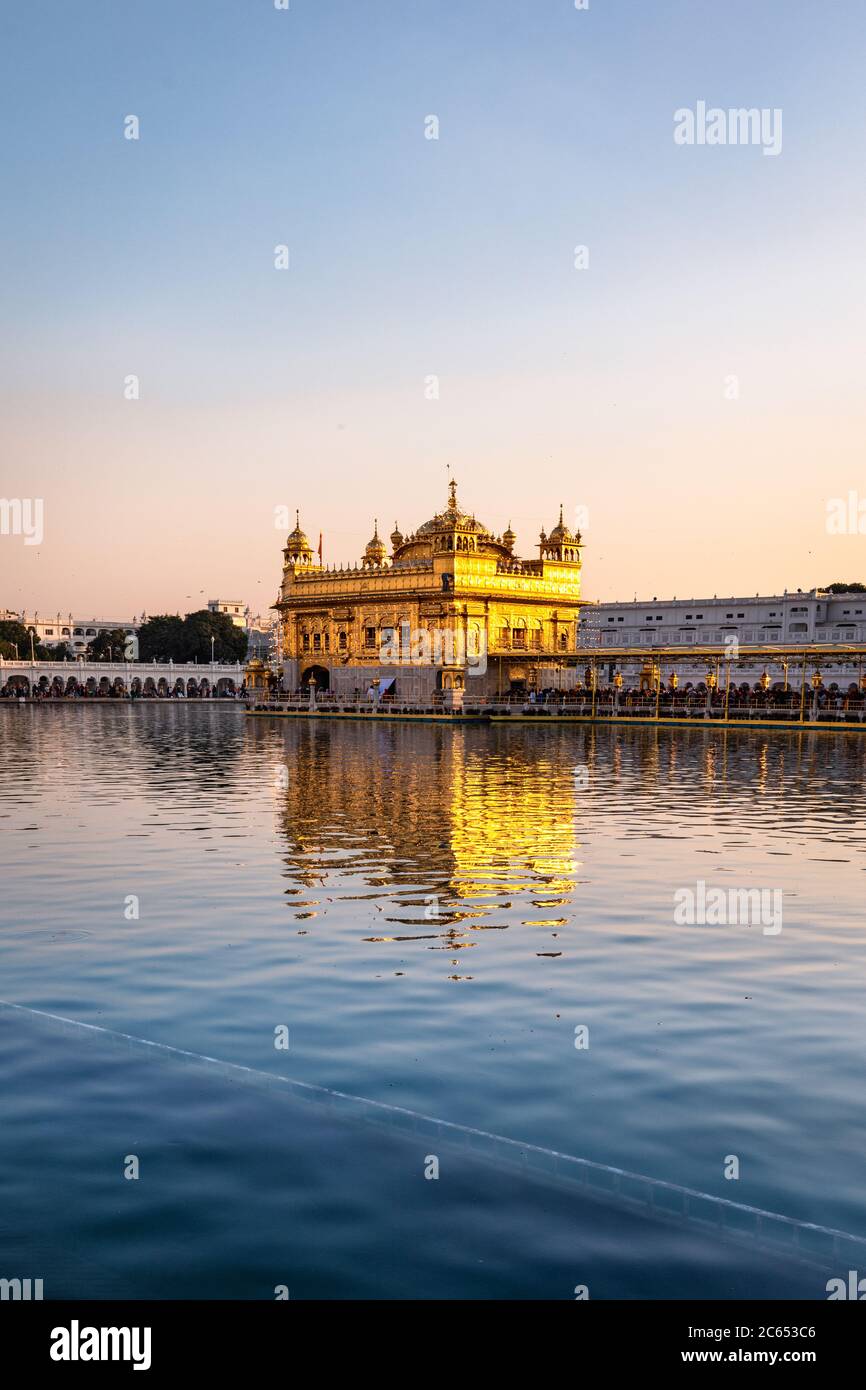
(161, 638)
(230, 641)
(17, 633)
(14, 634)
(107, 646)
(846, 588)
(172, 638)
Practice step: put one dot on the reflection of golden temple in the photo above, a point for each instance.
(522, 841)
(433, 838)
(463, 826)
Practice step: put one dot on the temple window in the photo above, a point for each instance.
(317, 641)
(504, 636)
(369, 637)
(306, 642)
(342, 641)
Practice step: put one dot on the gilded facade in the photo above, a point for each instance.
(448, 606)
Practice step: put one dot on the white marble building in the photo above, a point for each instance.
(77, 633)
(814, 618)
(790, 618)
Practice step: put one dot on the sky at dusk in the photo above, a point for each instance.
(696, 385)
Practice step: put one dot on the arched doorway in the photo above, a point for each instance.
(320, 674)
(518, 680)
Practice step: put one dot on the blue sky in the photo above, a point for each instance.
(259, 388)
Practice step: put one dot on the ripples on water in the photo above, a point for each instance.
(431, 912)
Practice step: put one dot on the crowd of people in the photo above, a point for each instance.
(833, 698)
(15, 689)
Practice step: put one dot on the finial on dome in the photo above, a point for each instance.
(452, 500)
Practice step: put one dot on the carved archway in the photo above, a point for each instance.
(320, 674)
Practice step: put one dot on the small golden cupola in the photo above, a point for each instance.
(396, 538)
(298, 550)
(508, 538)
(560, 544)
(377, 551)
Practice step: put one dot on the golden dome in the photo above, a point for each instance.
(297, 543)
(561, 532)
(452, 519)
(451, 530)
(377, 551)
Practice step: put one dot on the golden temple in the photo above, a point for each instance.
(451, 608)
